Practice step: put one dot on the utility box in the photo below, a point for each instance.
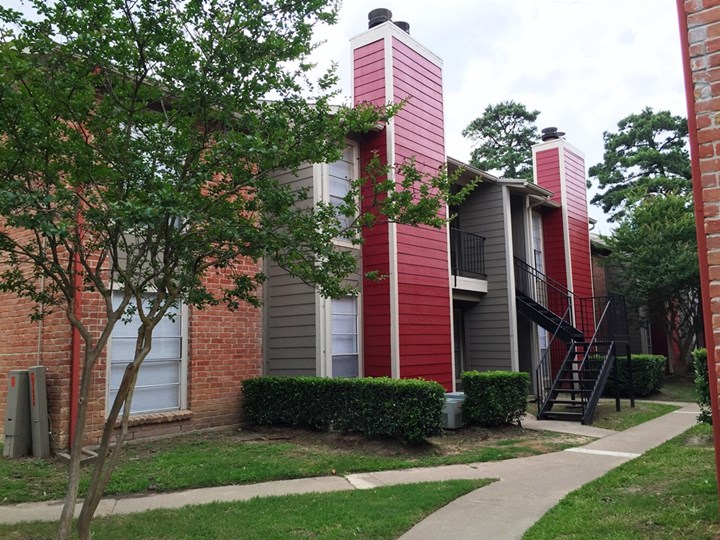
(39, 424)
(18, 441)
(452, 411)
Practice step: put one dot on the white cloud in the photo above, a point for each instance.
(585, 64)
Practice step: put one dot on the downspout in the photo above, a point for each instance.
(41, 321)
(75, 341)
(700, 230)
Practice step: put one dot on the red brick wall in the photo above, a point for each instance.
(598, 275)
(700, 45)
(224, 348)
(19, 350)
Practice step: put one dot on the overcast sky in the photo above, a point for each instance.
(585, 64)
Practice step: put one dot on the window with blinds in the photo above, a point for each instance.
(160, 382)
(345, 350)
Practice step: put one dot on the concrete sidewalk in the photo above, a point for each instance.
(528, 487)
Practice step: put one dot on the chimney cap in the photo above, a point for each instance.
(402, 25)
(551, 133)
(378, 16)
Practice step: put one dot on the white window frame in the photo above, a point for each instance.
(326, 355)
(324, 185)
(542, 335)
(184, 357)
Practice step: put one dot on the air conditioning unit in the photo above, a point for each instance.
(452, 411)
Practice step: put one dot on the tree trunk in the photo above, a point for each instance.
(102, 472)
(65, 525)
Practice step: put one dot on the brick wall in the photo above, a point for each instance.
(224, 348)
(700, 45)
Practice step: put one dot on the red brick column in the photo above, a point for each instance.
(700, 41)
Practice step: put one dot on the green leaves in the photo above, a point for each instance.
(409, 410)
(648, 154)
(654, 263)
(495, 398)
(503, 136)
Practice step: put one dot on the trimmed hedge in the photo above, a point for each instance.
(648, 375)
(494, 398)
(702, 385)
(409, 410)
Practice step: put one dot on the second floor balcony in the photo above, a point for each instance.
(467, 254)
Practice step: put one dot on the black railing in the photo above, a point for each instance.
(545, 371)
(467, 254)
(543, 289)
(611, 326)
(599, 356)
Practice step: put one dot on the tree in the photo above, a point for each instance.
(648, 154)
(503, 136)
(655, 263)
(139, 152)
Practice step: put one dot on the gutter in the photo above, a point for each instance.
(76, 340)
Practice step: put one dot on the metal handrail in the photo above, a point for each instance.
(593, 343)
(543, 371)
(542, 289)
(467, 252)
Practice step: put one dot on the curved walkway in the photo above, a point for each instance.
(527, 487)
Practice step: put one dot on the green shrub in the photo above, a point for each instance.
(702, 385)
(494, 398)
(648, 372)
(409, 410)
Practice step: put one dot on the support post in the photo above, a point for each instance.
(631, 382)
(613, 351)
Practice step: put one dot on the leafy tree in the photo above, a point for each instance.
(655, 264)
(503, 136)
(648, 154)
(139, 152)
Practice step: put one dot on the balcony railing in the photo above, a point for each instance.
(467, 254)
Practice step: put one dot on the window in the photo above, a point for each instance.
(345, 350)
(161, 381)
(341, 173)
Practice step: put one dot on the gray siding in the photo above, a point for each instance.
(487, 322)
(290, 307)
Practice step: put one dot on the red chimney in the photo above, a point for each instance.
(560, 167)
(407, 317)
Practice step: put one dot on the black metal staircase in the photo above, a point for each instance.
(573, 372)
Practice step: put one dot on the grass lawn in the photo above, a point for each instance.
(676, 388)
(379, 513)
(251, 456)
(608, 418)
(669, 493)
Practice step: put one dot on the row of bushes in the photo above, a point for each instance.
(405, 409)
(409, 410)
(648, 375)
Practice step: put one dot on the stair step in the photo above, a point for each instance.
(565, 402)
(565, 370)
(560, 415)
(571, 391)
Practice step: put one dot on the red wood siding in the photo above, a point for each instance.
(547, 172)
(369, 73)
(547, 175)
(369, 86)
(578, 231)
(554, 245)
(423, 285)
